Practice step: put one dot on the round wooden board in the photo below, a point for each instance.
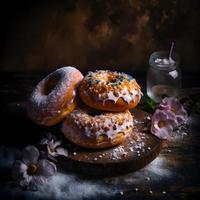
(134, 153)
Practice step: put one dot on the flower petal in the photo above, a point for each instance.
(172, 113)
(173, 105)
(36, 183)
(30, 154)
(18, 169)
(50, 144)
(52, 158)
(25, 181)
(169, 103)
(163, 133)
(162, 115)
(54, 143)
(43, 141)
(61, 151)
(51, 136)
(181, 119)
(57, 143)
(51, 149)
(168, 118)
(46, 168)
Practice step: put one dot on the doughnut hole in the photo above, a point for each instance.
(50, 84)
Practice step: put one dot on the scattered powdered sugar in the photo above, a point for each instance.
(57, 95)
(62, 187)
(180, 132)
(118, 153)
(137, 147)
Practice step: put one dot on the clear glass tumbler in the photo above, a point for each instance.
(163, 76)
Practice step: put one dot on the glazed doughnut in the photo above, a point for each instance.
(110, 91)
(97, 131)
(54, 96)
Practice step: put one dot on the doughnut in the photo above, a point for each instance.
(88, 129)
(54, 96)
(110, 91)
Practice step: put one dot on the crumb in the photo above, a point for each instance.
(131, 149)
(137, 137)
(148, 117)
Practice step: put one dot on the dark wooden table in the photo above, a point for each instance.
(174, 174)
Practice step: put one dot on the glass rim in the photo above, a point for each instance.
(164, 54)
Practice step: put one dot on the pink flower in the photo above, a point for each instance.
(173, 105)
(162, 124)
(169, 115)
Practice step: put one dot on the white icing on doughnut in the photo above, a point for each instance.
(108, 124)
(109, 85)
(127, 96)
(111, 133)
(112, 97)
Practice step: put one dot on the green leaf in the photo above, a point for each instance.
(148, 104)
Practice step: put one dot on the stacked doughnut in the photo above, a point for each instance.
(94, 109)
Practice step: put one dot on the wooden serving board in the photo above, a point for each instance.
(134, 153)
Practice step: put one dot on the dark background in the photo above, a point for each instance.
(89, 34)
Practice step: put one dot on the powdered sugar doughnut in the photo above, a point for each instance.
(97, 131)
(54, 96)
(110, 91)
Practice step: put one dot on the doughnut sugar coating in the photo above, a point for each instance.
(54, 97)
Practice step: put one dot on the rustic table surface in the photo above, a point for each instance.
(174, 174)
